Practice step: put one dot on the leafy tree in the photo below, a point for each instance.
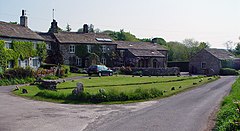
(237, 50)
(122, 36)
(68, 28)
(203, 45)
(177, 51)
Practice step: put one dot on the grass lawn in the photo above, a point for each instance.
(125, 84)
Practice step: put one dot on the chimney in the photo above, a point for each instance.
(54, 27)
(85, 28)
(23, 19)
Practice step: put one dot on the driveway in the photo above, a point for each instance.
(187, 111)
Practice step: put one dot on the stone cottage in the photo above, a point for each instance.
(10, 32)
(79, 48)
(210, 61)
(85, 48)
(141, 54)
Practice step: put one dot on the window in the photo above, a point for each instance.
(155, 63)
(34, 45)
(35, 62)
(103, 61)
(26, 63)
(72, 48)
(204, 65)
(103, 49)
(10, 64)
(89, 48)
(79, 62)
(121, 53)
(49, 46)
(8, 44)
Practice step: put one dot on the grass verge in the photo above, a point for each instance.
(228, 117)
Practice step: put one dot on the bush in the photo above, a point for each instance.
(18, 72)
(126, 70)
(15, 81)
(66, 69)
(228, 71)
(47, 66)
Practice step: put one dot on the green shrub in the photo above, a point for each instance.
(228, 71)
(66, 69)
(15, 81)
(18, 72)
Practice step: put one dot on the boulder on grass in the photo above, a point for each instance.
(78, 90)
(24, 91)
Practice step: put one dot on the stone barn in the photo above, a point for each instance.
(210, 61)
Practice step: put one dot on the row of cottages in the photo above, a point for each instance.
(14, 32)
(210, 61)
(84, 49)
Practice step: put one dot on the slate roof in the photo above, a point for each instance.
(221, 54)
(82, 38)
(146, 53)
(17, 31)
(139, 45)
(46, 37)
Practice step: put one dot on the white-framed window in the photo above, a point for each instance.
(49, 46)
(35, 62)
(79, 61)
(8, 44)
(103, 61)
(203, 65)
(10, 64)
(71, 48)
(103, 48)
(89, 48)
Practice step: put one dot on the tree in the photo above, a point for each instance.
(229, 45)
(91, 28)
(192, 46)
(203, 45)
(237, 49)
(68, 29)
(122, 36)
(177, 51)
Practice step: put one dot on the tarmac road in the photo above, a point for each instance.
(188, 111)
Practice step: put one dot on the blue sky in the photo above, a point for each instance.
(213, 21)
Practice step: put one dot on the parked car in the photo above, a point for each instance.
(99, 70)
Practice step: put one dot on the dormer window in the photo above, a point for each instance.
(71, 48)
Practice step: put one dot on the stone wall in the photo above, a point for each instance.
(158, 71)
(213, 65)
(64, 48)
